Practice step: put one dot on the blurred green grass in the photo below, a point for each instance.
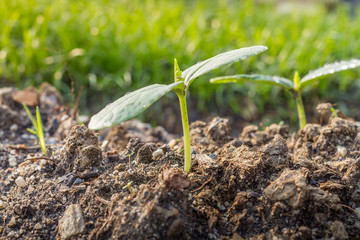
(112, 47)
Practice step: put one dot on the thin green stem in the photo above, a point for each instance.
(185, 124)
(300, 109)
(299, 102)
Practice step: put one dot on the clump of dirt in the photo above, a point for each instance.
(119, 135)
(80, 151)
(128, 183)
(251, 135)
(160, 211)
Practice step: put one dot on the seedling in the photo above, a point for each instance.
(128, 186)
(38, 128)
(296, 86)
(333, 111)
(134, 103)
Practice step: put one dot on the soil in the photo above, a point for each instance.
(127, 182)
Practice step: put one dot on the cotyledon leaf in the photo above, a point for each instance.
(272, 80)
(130, 105)
(328, 69)
(222, 59)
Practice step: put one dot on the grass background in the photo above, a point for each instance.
(112, 47)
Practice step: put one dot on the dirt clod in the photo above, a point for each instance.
(338, 230)
(218, 130)
(290, 187)
(80, 152)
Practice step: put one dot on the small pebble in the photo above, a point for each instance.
(357, 212)
(231, 149)
(192, 151)
(172, 143)
(3, 204)
(30, 189)
(12, 161)
(72, 222)
(14, 127)
(104, 144)
(78, 181)
(341, 151)
(24, 136)
(313, 182)
(20, 181)
(213, 156)
(64, 117)
(48, 221)
(158, 153)
(12, 234)
(38, 226)
(12, 222)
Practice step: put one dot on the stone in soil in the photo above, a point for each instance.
(72, 222)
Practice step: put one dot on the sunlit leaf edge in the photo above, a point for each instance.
(328, 69)
(195, 71)
(258, 78)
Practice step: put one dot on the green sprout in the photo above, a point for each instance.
(38, 128)
(333, 111)
(132, 104)
(296, 86)
(128, 186)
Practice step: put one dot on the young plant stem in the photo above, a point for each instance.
(185, 123)
(300, 109)
(299, 102)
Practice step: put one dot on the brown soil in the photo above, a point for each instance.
(128, 182)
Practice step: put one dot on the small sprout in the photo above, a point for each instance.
(38, 128)
(296, 86)
(134, 103)
(334, 112)
(128, 186)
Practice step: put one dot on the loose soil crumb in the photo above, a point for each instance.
(128, 182)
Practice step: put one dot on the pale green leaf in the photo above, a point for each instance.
(40, 131)
(32, 131)
(130, 105)
(177, 71)
(328, 69)
(32, 119)
(220, 60)
(257, 78)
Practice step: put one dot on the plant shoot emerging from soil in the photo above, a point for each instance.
(38, 128)
(296, 86)
(132, 104)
